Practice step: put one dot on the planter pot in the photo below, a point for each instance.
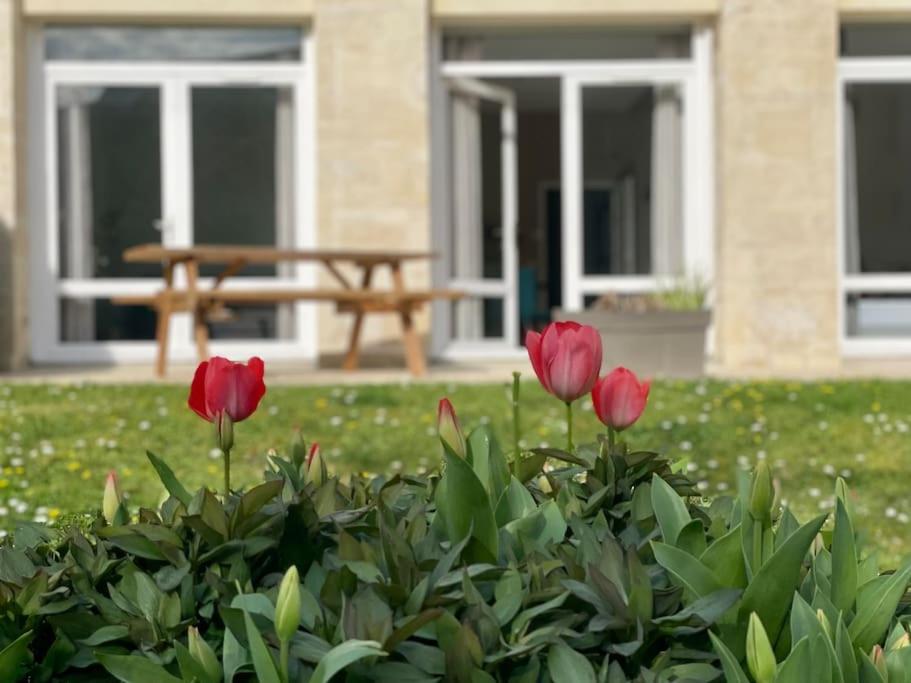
(662, 343)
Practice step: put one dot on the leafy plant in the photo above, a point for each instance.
(600, 563)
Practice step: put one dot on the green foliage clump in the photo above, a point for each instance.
(602, 564)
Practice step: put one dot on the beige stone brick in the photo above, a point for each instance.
(777, 275)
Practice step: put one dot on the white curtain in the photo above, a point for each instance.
(78, 323)
(466, 210)
(284, 199)
(467, 220)
(667, 170)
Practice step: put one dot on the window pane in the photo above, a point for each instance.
(243, 142)
(632, 176)
(875, 40)
(475, 319)
(557, 43)
(268, 321)
(87, 320)
(877, 127)
(878, 315)
(109, 178)
(172, 44)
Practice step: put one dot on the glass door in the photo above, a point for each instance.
(108, 150)
(482, 208)
(625, 173)
(178, 154)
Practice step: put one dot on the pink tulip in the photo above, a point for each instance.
(566, 358)
(449, 428)
(619, 398)
(221, 386)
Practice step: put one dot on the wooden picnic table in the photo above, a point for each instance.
(358, 298)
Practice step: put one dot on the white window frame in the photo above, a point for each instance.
(694, 76)
(853, 70)
(175, 81)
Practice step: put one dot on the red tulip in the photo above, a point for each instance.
(449, 428)
(312, 453)
(566, 358)
(223, 387)
(619, 398)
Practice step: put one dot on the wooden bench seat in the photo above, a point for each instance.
(211, 304)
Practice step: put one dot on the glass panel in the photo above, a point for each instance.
(109, 178)
(476, 207)
(877, 125)
(632, 180)
(556, 43)
(149, 43)
(243, 141)
(87, 320)
(267, 321)
(875, 40)
(878, 315)
(475, 319)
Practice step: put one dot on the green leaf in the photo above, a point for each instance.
(411, 627)
(515, 502)
(343, 655)
(844, 560)
(166, 474)
(769, 593)
(262, 659)
(732, 671)
(190, 669)
(844, 650)
(690, 572)
(565, 665)
(14, 656)
(105, 634)
(508, 596)
(875, 609)
(488, 461)
(670, 510)
(798, 667)
(135, 669)
(725, 558)
(466, 509)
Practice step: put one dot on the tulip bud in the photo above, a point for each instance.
(878, 657)
(202, 652)
(224, 431)
(449, 429)
(760, 657)
(844, 495)
(112, 497)
(903, 641)
(316, 468)
(824, 622)
(288, 605)
(762, 492)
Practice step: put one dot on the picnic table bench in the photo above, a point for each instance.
(205, 303)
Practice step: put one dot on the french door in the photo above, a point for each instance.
(181, 154)
(482, 214)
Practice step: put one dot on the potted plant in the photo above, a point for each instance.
(662, 333)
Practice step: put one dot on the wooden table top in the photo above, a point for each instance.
(216, 253)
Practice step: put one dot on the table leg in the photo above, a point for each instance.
(163, 322)
(351, 356)
(414, 350)
(200, 331)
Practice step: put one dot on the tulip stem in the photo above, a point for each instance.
(569, 426)
(227, 473)
(611, 439)
(283, 658)
(515, 412)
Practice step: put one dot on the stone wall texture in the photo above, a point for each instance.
(13, 256)
(373, 175)
(777, 273)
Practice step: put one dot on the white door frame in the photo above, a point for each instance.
(853, 70)
(694, 76)
(504, 288)
(175, 81)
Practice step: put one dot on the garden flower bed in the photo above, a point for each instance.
(589, 560)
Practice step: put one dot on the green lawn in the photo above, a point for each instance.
(58, 442)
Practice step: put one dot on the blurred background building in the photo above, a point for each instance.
(552, 151)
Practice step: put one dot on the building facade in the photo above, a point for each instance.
(552, 151)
